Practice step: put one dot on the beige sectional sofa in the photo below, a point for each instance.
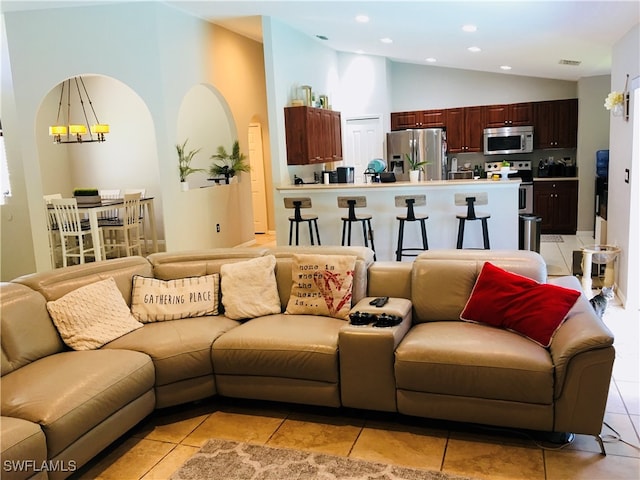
(61, 407)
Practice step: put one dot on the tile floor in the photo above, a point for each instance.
(160, 444)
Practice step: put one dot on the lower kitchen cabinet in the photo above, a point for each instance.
(556, 202)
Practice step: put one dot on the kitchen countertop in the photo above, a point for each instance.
(429, 183)
(554, 179)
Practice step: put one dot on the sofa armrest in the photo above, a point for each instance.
(367, 356)
(583, 354)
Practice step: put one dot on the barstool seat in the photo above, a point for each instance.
(297, 218)
(470, 200)
(411, 201)
(352, 203)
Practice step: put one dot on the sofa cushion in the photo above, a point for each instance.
(322, 285)
(24, 448)
(249, 288)
(289, 346)
(180, 349)
(26, 328)
(92, 315)
(474, 360)
(508, 300)
(70, 393)
(154, 300)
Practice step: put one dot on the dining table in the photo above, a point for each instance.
(93, 211)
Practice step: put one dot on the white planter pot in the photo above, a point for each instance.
(184, 186)
(414, 176)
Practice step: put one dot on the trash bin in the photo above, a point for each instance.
(529, 238)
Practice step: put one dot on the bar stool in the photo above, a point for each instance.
(352, 203)
(411, 201)
(469, 199)
(297, 218)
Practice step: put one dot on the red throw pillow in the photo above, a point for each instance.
(508, 300)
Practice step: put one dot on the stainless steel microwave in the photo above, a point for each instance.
(506, 140)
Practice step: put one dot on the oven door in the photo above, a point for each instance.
(525, 198)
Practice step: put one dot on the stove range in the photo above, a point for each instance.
(525, 174)
(523, 168)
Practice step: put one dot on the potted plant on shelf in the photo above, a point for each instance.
(227, 165)
(415, 168)
(184, 164)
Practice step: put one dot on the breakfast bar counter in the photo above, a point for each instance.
(442, 225)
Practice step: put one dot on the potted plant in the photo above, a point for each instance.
(415, 168)
(227, 165)
(184, 164)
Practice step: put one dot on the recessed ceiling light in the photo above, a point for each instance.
(469, 28)
(386, 40)
(430, 59)
(322, 37)
(362, 18)
(505, 67)
(474, 49)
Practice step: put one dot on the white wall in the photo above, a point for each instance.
(621, 207)
(593, 135)
(423, 87)
(159, 53)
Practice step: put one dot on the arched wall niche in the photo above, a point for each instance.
(128, 159)
(206, 122)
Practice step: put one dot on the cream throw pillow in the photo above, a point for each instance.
(322, 285)
(154, 300)
(249, 288)
(92, 315)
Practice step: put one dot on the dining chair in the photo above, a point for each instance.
(124, 235)
(74, 234)
(143, 226)
(109, 194)
(55, 247)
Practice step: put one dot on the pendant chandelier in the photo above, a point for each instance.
(73, 132)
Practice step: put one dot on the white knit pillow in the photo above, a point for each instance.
(92, 315)
(249, 288)
(154, 300)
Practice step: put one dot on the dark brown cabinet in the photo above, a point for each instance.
(418, 119)
(508, 115)
(464, 130)
(556, 202)
(314, 135)
(556, 124)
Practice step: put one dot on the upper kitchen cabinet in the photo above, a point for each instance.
(509, 115)
(464, 129)
(418, 119)
(556, 124)
(314, 135)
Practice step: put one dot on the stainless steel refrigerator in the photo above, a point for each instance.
(424, 145)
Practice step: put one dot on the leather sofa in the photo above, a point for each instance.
(61, 407)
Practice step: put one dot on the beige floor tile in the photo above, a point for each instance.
(174, 428)
(169, 464)
(411, 447)
(575, 465)
(630, 392)
(130, 460)
(333, 436)
(234, 426)
(493, 461)
(628, 447)
(614, 400)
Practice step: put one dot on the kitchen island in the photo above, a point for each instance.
(442, 225)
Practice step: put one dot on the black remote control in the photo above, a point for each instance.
(379, 302)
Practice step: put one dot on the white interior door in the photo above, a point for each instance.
(364, 141)
(258, 190)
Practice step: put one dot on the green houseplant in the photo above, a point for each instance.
(227, 165)
(414, 166)
(184, 163)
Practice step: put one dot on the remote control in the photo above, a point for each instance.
(379, 302)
